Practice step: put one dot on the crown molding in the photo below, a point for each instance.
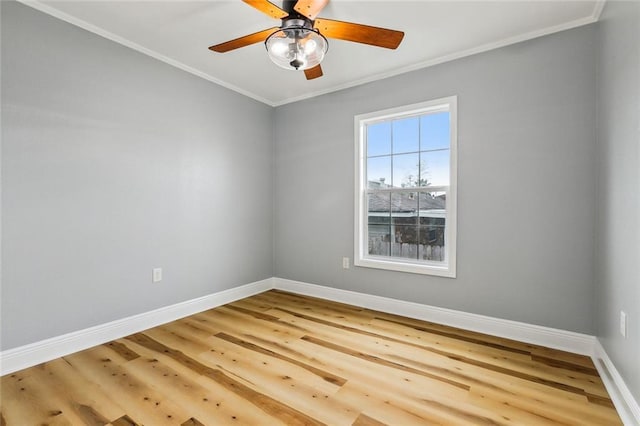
(458, 55)
(38, 5)
(597, 9)
(42, 7)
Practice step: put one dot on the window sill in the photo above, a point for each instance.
(440, 270)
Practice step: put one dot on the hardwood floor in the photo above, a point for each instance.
(283, 359)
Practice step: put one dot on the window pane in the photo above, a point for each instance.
(434, 168)
(379, 139)
(432, 243)
(431, 231)
(379, 172)
(405, 241)
(404, 221)
(434, 131)
(432, 205)
(406, 135)
(379, 227)
(404, 206)
(405, 170)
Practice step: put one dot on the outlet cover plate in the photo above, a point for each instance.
(623, 324)
(157, 275)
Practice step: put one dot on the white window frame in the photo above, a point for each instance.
(361, 256)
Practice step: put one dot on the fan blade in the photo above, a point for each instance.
(267, 8)
(310, 8)
(314, 72)
(243, 41)
(359, 33)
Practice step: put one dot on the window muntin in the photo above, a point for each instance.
(405, 186)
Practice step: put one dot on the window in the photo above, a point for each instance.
(406, 188)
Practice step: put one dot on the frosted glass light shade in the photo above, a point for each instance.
(296, 48)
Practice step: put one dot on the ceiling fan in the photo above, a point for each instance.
(300, 43)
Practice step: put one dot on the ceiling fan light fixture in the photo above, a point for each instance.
(300, 43)
(296, 47)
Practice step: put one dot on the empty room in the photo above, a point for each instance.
(314, 212)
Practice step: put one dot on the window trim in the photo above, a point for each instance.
(361, 258)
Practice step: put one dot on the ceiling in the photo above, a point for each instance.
(179, 32)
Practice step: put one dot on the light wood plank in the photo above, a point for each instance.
(278, 358)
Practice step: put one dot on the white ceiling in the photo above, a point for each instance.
(179, 32)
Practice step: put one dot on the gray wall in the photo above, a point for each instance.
(618, 243)
(526, 186)
(114, 163)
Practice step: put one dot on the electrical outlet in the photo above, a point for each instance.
(157, 275)
(623, 324)
(345, 263)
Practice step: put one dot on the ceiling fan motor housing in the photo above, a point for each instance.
(288, 6)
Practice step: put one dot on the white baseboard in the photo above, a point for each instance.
(529, 333)
(29, 355)
(584, 344)
(625, 403)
